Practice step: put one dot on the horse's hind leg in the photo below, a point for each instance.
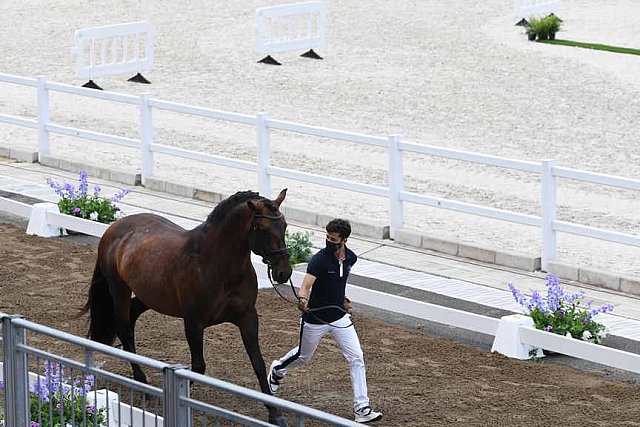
(136, 310)
(249, 330)
(127, 312)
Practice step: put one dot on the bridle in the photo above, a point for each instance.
(264, 253)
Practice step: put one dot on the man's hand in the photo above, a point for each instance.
(302, 304)
(347, 305)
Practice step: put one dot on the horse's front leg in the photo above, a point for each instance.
(249, 331)
(194, 331)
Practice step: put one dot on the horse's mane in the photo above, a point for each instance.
(219, 213)
(227, 205)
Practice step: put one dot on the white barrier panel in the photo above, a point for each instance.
(113, 49)
(507, 340)
(528, 8)
(290, 27)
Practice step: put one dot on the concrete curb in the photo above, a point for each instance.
(361, 227)
(466, 250)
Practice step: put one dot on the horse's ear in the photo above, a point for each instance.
(252, 205)
(280, 198)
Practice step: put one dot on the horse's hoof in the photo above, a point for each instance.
(280, 421)
(141, 378)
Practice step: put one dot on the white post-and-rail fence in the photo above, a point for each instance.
(548, 171)
(113, 49)
(531, 8)
(178, 408)
(290, 26)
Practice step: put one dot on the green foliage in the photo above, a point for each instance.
(80, 203)
(544, 28)
(299, 245)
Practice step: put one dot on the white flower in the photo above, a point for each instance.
(93, 216)
(568, 334)
(586, 336)
(119, 214)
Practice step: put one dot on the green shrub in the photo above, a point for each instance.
(299, 245)
(544, 28)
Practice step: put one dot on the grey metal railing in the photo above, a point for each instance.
(115, 400)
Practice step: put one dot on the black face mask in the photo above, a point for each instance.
(332, 246)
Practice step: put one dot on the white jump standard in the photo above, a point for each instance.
(123, 48)
(290, 27)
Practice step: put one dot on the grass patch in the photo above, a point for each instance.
(594, 46)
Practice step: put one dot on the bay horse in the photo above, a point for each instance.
(203, 276)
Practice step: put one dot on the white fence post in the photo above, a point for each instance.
(549, 214)
(146, 137)
(44, 143)
(264, 155)
(396, 173)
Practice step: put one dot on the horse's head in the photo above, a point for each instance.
(267, 236)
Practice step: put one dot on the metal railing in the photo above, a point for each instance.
(547, 170)
(171, 404)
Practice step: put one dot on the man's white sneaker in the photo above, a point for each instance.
(273, 378)
(367, 415)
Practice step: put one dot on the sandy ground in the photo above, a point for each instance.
(450, 74)
(415, 379)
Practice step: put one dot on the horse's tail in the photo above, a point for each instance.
(100, 308)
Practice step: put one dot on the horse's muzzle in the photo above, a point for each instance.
(281, 275)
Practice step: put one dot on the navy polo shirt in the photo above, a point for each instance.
(329, 287)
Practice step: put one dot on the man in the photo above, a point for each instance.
(322, 298)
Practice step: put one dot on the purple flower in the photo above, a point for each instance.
(84, 185)
(90, 409)
(71, 191)
(76, 211)
(96, 190)
(34, 424)
(56, 187)
(560, 313)
(119, 195)
(585, 320)
(548, 328)
(537, 302)
(1, 384)
(552, 280)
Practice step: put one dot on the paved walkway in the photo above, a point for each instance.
(381, 260)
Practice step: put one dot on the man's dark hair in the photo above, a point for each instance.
(340, 226)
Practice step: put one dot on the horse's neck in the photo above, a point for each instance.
(228, 240)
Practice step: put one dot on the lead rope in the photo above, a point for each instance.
(309, 310)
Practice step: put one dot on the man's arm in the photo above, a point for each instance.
(305, 290)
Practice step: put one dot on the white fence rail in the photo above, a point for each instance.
(113, 49)
(290, 26)
(547, 170)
